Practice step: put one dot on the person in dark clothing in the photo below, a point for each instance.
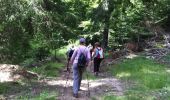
(69, 54)
(97, 56)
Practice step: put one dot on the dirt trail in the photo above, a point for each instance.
(97, 87)
(102, 85)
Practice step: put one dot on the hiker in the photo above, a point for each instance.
(80, 60)
(97, 56)
(69, 54)
(91, 49)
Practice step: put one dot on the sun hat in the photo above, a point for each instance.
(82, 40)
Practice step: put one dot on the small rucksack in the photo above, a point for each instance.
(100, 53)
(82, 60)
(71, 53)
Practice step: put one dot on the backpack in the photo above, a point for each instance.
(71, 53)
(82, 60)
(100, 53)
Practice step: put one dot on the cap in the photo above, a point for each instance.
(82, 40)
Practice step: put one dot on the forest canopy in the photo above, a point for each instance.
(35, 28)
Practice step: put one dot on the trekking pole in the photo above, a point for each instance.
(88, 83)
(67, 77)
(88, 94)
(68, 65)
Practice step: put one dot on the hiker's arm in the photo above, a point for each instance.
(88, 56)
(94, 53)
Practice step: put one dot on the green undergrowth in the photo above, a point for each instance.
(25, 92)
(3, 88)
(61, 52)
(166, 58)
(6, 87)
(144, 79)
(50, 69)
(43, 95)
(89, 76)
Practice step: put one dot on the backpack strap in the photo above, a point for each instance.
(98, 49)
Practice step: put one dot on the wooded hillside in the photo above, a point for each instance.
(36, 28)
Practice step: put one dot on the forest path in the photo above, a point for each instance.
(103, 84)
(61, 86)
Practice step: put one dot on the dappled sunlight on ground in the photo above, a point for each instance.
(168, 70)
(123, 74)
(60, 82)
(131, 56)
(111, 82)
(6, 71)
(147, 71)
(5, 76)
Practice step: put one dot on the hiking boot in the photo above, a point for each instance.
(80, 90)
(75, 95)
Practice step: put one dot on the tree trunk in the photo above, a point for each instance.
(55, 54)
(106, 32)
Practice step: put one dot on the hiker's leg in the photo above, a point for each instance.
(79, 81)
(75, 78)
(80, 76)
(95, 64)
(98, 64)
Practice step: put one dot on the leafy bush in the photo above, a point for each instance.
(41, 53)
(49, 69)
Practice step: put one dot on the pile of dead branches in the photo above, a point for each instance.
(157, 53)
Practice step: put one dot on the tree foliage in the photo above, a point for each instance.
(33, 28)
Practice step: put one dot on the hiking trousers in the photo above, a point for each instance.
(77, 77)
(97, 62)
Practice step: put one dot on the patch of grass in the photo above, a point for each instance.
(4, 88)
(132, 95)
(89, 76)
(9, 86)
(50, 69)
(142, 70)
(143, 77)
(111, 97)
(44, 95)
(167, 58)
(93, 98)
